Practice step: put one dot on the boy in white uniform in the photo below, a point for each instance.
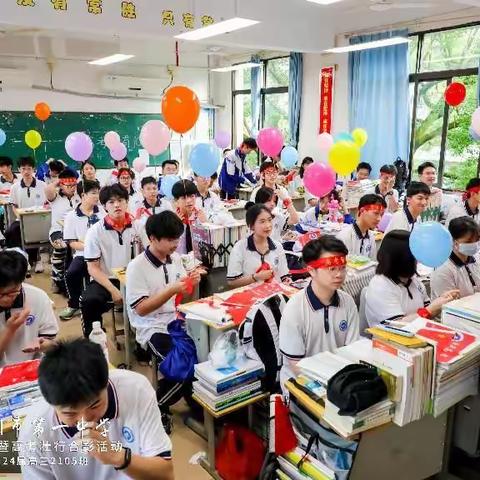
(27, 322)
(114, 173)
(110, 243)
(77, 224)
(154, 280)
(427, 173)
(169, 167)
(388, 174)
(7, 177)
(107, 422)
(321, 317)
(207, 199)
(359, 237)
(62, 195)
(269, 178)
(28, 192)
(470, 205)
(415, 204)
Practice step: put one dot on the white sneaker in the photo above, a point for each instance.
(39, 267)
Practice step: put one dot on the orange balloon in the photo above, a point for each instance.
(180, 108)
(42, 111)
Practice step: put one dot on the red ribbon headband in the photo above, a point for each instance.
(327, 262)
(68, 181)
(373, 207)
(470, 191)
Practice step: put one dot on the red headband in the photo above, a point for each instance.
(327, 262)
(373, 207)
(470, 191)
(68, 181)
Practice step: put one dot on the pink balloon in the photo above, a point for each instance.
(325, 141)
(319, 179)
(79, 146)
(382, 226)
(270, 141)
(222, 139)
(476, 121)
(139, 165)
(119, 152)
(111, 139)
(155, 137)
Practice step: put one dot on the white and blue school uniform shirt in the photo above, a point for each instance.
(208, 203)
(144, 211)
(234, 171)
(309, 327)
(386, 299)
(279, 224)
(312, 217)
(401, 220)
(60, 207)
(77, 224)
(245, 260)
(134, 420)
(23, 196)
(40, 323)
(358, 243)
(6, 185)
(147, 276)
(462, 210)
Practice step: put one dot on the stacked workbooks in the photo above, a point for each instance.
(457, 360)
(222, 388)
(463, 314)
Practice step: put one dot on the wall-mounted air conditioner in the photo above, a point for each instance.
(134, 86)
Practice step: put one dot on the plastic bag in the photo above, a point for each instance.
(226, 350)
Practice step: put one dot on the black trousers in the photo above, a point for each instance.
(13, 238)
(75, 278)
(169, 392)
(94, 303)
(228, 196)
(61, 258)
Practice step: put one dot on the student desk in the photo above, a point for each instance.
(413, 452)
(34, 227)
(120, 275)
(244, 193)
(237, 209)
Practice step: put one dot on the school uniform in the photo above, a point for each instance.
(386, 299)
(23, 196)
(114, 250)
(283, 190)
(134, 421)
(245, 260)
(6, 185)
(462, 210)
(279, 224)
(185, 245)
(233, 173)
(144, 211)
(61, 256)
(76, 227)
(309, 327)
(401, 220)
(40, 323)
(376, 191)
(135, 200)
(358, 243)
(208, 203)
(312, 217)
(455, 274)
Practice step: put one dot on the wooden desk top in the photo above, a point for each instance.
(120, 274)
(33, 211)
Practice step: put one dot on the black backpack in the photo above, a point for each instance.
(259, 336)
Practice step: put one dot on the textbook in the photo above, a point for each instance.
(223, 401)
(323, 366)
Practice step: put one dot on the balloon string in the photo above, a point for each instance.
(44, 141)
(181, 154)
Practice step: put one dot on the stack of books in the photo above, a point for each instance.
(463, 314)
(222, 388)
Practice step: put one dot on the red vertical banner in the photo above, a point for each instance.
(326, 98)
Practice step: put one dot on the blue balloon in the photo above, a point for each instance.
(473, 135)
(3, 137)
(343, 137)
(431, 243)
(289, 157)
(204, 159)
(168, 181)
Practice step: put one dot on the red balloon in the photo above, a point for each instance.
(455, 94)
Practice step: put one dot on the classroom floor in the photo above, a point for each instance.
(186, 443)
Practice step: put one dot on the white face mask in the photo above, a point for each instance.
(468, 249)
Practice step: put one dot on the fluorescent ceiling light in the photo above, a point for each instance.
(239, 66)
(118, 57)
(387, 42)
(226, 26)
(324, 2)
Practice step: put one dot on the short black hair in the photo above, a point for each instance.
(250, 143)
(26, 162)
(87, 162)
(130, 172)
(5, 161)
(184, 188)
(268, 164)
(314, 249)
(113, 191)
(170, 161)
(253, 212)
(463, 226)
(425, 165)
(86, 186)
(212, 177)
(13, 268)
(473, 183)
(372, 199)
(389, 169)
(305, 162)
(165, 224)
(67, 173)
(147, 180)
(416, 188)
(364, 166)
(115, 162)
(56, 166)
(73, 373)
(264, 194)
(395, 259)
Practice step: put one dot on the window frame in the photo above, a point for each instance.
(444, 75)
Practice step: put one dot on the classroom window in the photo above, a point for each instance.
(440, 134)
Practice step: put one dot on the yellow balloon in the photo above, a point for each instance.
(33, 139)
(360, 136)
(344, 157)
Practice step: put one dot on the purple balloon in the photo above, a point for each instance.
(382, 226)
(79, 146)
(222, 139)
(119, 152)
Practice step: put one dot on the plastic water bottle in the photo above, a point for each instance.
(97, 335)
